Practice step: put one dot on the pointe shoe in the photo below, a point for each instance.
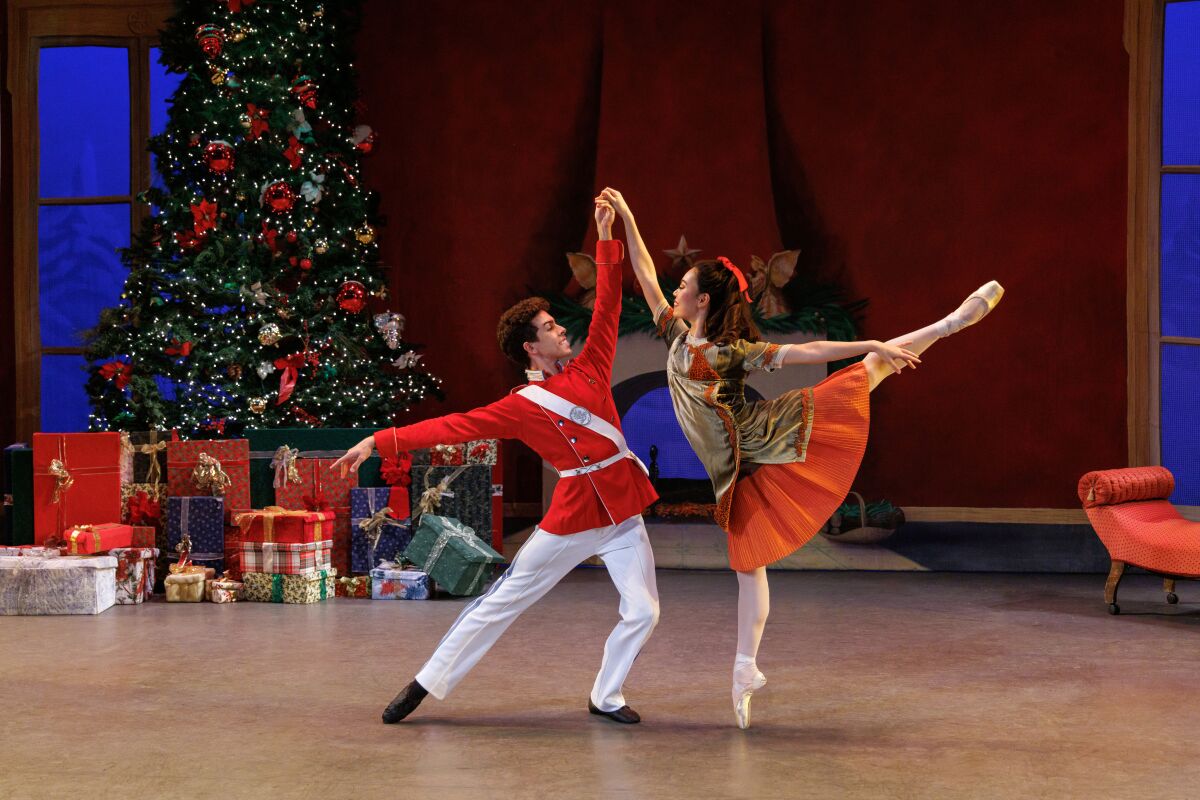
(989, 294)
(741, 698)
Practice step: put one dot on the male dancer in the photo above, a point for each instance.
(566, 414)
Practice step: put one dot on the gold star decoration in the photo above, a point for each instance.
(682, 250)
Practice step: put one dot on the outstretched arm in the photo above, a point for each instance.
(639, 256)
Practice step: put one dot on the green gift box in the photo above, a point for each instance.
(18, 495)
(265, 587)
(312, 443)
(450, 553)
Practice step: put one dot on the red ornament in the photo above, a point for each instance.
(279, 197)
(364, 138)
(352, 297)
(292, 236)
(218, 155)
(305, 91)
(210, 38)
(306, 264)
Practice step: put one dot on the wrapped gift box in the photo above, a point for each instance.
(135, 573)
(18, 495)
(312, 443)
(234, 456)
(201, 518)
(90, 539)
(399, 584)
(144, 457)
(319, 487)
(468, 498)
(222, 590)
(64, 585)
(262, 587)
(76, 481)
(357, 586)
(185, 587)
(285, 559)
(37, 551)
(451, 554)
(393, 534)
(274, 524)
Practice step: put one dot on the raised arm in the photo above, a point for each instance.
(601, 346)
(639, 256)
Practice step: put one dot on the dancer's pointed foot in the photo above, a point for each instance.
(624, 715)
(405, 703)
(974, 308)
(745, 684)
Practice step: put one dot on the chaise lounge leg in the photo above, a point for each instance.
(1110, 587)
(1169, 588)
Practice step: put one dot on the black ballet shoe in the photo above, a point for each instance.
(625, 715)
(405, 703)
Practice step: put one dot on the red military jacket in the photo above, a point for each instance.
(592, 500)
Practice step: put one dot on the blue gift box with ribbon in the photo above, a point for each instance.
(201, 518)
(376, 534)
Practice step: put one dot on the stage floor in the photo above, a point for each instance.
(904, 685)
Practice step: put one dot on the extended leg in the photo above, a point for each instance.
(973, 309)
(754, 605)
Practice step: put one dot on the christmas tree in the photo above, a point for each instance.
(250, 285)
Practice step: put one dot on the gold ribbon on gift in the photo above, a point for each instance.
(352, 584)
(431, 498)
(128, 448)
(372, 526)
(63, 479)
(269, 515)
(284, 464)
(208, 475)
(84, 530)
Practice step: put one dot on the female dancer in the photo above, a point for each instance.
(779, 467)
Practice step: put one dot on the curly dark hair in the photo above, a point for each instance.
(729, 315)
(515, 329)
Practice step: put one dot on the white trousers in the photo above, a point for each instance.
(541, 563)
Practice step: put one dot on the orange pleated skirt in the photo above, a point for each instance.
(779, 507)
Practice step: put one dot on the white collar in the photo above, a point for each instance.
(538, 376)
(696, 339)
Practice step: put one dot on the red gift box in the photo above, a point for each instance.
(275, 524)
(353, 587)
(76, 480)
(90, 539)
(143, 536)
(321, 488)
(234, 458)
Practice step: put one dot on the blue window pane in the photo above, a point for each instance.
(162, 87)
(79, 270)
(65, 404)
(1180, 420)
(1179, 279)
(1181, 84)
(651, 420)
(83, 113)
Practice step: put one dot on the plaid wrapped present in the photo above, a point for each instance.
(262, 587)
(211, 467)
(285, 559)
(201, 518)
(451, 554)
(62, 585)
(135, 573)
(375, 536)
(358, 586)
(391, 583)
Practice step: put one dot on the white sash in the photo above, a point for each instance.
(586, 419)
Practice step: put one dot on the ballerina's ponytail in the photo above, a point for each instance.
(730, 315)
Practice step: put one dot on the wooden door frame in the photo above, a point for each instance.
(31, 24)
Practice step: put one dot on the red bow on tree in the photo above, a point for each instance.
(204, 217)
(118, 370)
(177, 348)
(289, 371)
(144, 510)
(187, 240)
(258, 121)
(293, 151)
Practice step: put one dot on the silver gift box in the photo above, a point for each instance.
(64, 585)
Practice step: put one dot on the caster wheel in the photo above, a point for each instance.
(1113, 608)
(1172, 598)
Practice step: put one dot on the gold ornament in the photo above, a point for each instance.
(309, 222)
(258, 404)
(321, 246)
(269, 334)
(218, 77)
(365, 234)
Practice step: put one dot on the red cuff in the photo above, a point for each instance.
(610, 251)
(385, 443)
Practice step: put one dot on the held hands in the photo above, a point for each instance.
(354, 456)
(614, 198)
(604, 218)
(896, 355)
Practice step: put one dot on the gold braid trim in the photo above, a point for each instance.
(725, 501)
(804, 434)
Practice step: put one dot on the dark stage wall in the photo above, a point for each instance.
(912, 151)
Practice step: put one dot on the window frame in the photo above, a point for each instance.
(32, 25)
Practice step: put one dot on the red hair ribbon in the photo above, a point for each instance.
(743, 287)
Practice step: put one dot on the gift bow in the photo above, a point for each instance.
(63, 479)
(396, 471)
(143, 508)
(284, 463)
(372, 526)
(209, 475)
(154, 474)
(352, 584)
(289, 373)
(431, 498)
(316, 501)
(84, 530)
